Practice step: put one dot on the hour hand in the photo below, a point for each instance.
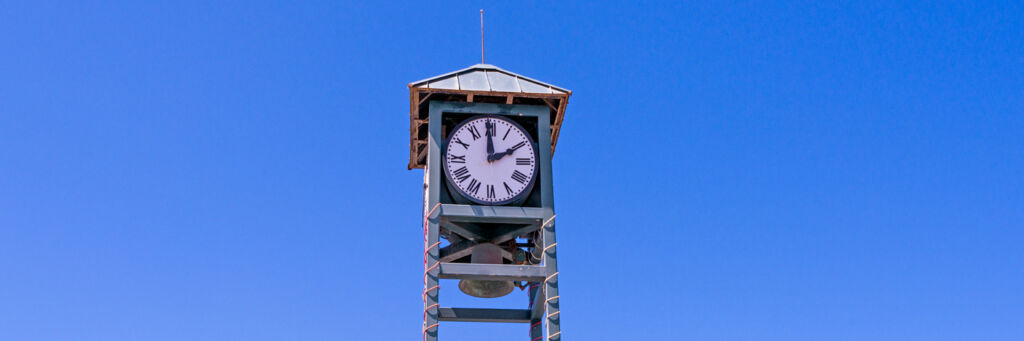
(498, 156)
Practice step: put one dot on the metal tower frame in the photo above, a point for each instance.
(543, 308)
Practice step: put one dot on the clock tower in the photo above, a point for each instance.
(485, 137)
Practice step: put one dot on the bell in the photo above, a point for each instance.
(486, 254)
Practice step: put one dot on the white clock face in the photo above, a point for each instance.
(491, 160)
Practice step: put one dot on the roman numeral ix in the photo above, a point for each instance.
(461, 159)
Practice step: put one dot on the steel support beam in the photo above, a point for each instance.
(493, 272)
(454, 252)
(431, 278)
(536, 301)
(493, 214)
(431, 245)
(550, 285)
(467, 231)
(491, 234)
(536, 311)
(485, 315)
(458, 250)
(514, 232)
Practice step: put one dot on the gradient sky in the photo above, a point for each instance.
(726, 171)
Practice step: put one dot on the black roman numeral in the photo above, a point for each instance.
(490, 128)
(461, 174)
(507, 189)
(490, 191)
(460, 158)
(473, 187)
(476, 133)
(459, 141)
(506, 133)
(517, 176)
(524, 161)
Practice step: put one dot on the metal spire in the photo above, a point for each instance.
(482, 60)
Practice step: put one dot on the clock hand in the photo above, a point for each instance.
(489, 129)
(498, 156)
(510, 150)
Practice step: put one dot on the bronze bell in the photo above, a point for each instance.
(486, 253)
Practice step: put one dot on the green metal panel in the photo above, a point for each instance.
(485, 315)
(494, 214)
(493, 272)
(439, 109)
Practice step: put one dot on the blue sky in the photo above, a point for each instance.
(726, 171)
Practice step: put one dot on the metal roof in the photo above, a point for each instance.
(486, 77)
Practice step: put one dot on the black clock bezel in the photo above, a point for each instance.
(447, 174)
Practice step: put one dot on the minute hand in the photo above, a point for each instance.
(490, 142)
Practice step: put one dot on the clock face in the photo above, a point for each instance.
(490, 160)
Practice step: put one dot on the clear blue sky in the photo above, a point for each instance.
(727, 170)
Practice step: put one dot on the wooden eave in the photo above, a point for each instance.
(419, 98)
